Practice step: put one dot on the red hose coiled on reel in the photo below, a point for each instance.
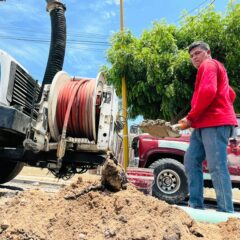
(75, 108)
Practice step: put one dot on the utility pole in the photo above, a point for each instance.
(124, 102)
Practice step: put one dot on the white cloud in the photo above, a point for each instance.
(33, 57)
(93, 27)
(20, 9)
(111, 32)
(117, 2)
(108, 15)
(29, 19)
(100, 4)
(83, 62)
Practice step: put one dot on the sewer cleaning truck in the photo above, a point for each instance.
(67, 125)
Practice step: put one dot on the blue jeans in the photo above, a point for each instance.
(211, 144)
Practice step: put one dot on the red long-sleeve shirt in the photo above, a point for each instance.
(212, 101)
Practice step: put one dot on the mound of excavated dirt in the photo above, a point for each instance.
(96, 215)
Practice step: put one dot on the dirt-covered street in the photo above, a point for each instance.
(39, 208)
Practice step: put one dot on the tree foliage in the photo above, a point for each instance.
(160, 78)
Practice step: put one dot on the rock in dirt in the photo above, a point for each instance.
(159, 128)
(113, 178)
(113, 175)
(97, 215)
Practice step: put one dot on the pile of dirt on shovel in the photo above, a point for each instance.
(96, 215)
(159, 128)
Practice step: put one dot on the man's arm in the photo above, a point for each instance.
(232, 94)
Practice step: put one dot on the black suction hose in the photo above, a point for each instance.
(58, 42)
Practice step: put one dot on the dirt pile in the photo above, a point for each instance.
(96, 215)
(159, 128)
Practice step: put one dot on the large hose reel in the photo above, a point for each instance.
(73, 103)
(75, 115)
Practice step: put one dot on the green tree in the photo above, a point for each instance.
(160, 77)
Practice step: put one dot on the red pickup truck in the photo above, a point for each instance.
(166, 155)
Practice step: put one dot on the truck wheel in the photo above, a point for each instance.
(170, 182)
(9, 170)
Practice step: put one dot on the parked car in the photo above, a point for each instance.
(166, 156)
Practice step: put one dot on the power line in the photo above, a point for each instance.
(70, 41)
(197, 8)
(82, 40)
(81, 47)
(44, 32)
(22, 33)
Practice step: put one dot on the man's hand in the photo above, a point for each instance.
(184, 123)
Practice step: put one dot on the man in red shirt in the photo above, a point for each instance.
(213, 118)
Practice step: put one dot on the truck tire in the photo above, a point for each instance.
(9, 170)
(170, 182)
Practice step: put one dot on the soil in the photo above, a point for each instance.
(126, 214)
(159, 128)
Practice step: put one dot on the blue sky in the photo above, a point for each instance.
(91, 21)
